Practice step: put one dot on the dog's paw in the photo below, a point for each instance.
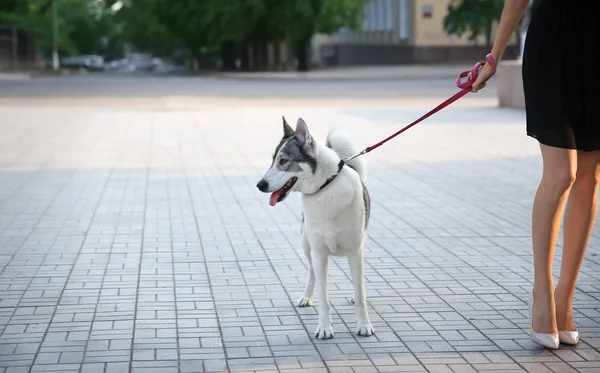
(365, 330)
(305, 302)
(324, 332)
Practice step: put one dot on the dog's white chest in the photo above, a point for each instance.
(334, 222)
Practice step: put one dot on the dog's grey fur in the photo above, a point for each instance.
(292, 149)
(367, 202)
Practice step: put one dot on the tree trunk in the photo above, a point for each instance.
(228, 56)
(488, 35)
(255, 56)
(277, 56)
(244, 56)
(259, 55)
(301, 51)
(265, 55)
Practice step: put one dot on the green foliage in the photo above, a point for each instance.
(473, 17)
(199, 26)
(84, 26)
(163, 26)
(143, 28)
(297, 20)
(183, 20)
(232, 20)
(7, 6)
(335, 14)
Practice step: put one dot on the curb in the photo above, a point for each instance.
(15, 76)
(39, 74)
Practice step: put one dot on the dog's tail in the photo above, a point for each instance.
(340, 142)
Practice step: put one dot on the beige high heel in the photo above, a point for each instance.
(548, 340)
(568, 338)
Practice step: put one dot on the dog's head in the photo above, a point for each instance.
(293, 161)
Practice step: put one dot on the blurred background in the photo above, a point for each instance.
(242, 35)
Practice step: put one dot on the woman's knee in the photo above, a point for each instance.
(560, 167)
(588, 177)
(559, 181)
(588, 170)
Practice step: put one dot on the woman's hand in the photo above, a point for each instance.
(511, 15)
(483, 74)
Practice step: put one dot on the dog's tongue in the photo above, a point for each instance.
(274, 197)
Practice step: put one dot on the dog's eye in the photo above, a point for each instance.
(283, 161)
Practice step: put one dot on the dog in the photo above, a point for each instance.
(336, 208)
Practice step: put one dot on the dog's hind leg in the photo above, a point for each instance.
(320, 258)
(307, 299)
(363, 324)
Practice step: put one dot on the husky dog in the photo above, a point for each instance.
(336, 208)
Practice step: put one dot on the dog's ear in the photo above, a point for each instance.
(302, 133)
(287, 130)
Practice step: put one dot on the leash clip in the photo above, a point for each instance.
(364, 151)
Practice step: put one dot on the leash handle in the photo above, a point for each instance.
(465, 87)
(472, 74)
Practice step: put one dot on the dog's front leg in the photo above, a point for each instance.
(307, 299)
(363, 324)
(320, 260)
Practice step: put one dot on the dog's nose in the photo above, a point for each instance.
(262, 185)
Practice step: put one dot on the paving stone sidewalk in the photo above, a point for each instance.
(135, 240)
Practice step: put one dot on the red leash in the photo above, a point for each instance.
(465, 88)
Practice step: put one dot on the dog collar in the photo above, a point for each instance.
(340, 166)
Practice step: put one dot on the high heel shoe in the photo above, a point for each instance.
(548, 340)
(568, 338)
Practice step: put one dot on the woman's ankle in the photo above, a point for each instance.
(564, 309)
(544, 311)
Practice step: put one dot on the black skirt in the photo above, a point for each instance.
(561, 74)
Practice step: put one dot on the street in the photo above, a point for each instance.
(133, 238)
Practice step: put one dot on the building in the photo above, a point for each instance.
(402, 32)
(17, 49)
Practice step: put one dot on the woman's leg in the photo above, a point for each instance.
(558, 175)
(577, 228)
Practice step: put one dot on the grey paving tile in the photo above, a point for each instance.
(117, 367)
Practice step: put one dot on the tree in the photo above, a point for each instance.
(143, 28)
(305, 18)
(234, 26)
(473, 17)
(161, 27)
(85, 26)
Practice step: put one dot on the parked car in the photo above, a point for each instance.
(89, 62)
(155, 64)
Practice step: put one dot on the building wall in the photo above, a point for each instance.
(17, 49)
(405, 22)
(379, 26)
(428, 16)
(404, 31)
